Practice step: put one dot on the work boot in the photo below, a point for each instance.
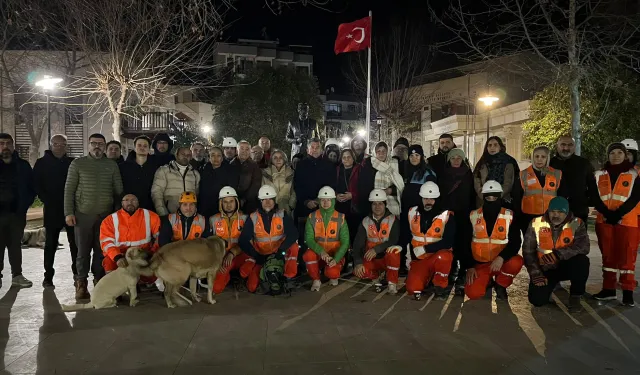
(605, 295)
(440, 293)
(459, 285)
(392, 289)
(501, 293)
(574, 304)
(82, 293)
(21, 282)
(627, 298)
(315, 286)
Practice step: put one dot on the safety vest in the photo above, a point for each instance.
(265, 242)
(197, 227)
(484, 247)
(328, 238)
(120, 231)
(535, 198)
(544, 235)
(435, 231)
(220, 227)
(374, 236)
(613, 199)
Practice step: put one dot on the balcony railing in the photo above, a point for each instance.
(150, 122)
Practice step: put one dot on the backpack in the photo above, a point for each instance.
(272, 277)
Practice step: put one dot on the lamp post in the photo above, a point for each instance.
(207, 130)
(48, 83)
(488, 101)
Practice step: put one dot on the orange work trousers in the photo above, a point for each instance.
(436, 266)
(390, 263)
(251, 271)
(222, 278)
(619, 247)
(313, 263)
(109, 265)
(504, 277)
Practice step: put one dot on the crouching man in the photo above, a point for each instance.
(374, 248)
(129, 226)
(268, 234)
(186, 224)
(327, 236)
(228, 225)
(433, 234)
(494, 247)
(555, 249)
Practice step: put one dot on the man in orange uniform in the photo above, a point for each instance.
(127, 227)
(327, 236)
(374, 248)
(494, 247)
(228, 224)
(185, 224)
(268, 231)
(433, 236)
(632, 156)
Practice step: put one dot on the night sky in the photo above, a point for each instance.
(318, 28)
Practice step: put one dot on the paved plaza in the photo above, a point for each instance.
(348, 329)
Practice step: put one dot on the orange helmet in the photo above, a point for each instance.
(188, 197)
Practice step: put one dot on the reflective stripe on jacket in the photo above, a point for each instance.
(231, 234)
(329, 237)
(485, 247)
(120, 231)
(196, 230)
(613, 199)
(265, 242)
(544, 235)
(374, 236)
(535, 198)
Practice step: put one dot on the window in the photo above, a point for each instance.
(333, 109)
(176, 100)
(351, 108)
(302, 69)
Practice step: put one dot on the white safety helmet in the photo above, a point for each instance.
(429, 190)
(331, 141)
(377, 195)
(630, 144)
(327, 192)
(229, 142)
(267, 192)
(491, 186)
(227, 191)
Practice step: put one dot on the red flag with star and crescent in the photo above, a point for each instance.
(353, 36)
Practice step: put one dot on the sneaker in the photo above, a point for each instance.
(440, 293)
(627, 298)
(605, 295)
(501, 293)
(82, 293)
(417, 296)
(392, 289)
(574, 304)
(21, 282)
(333, 282)
(315, 286)
(47, 283)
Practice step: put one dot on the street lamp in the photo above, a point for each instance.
(362, 132)
(207, 130)
(48, 83)
(488, 101)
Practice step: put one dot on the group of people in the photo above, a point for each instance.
(395, 212)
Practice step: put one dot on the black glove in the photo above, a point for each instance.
(613, 218)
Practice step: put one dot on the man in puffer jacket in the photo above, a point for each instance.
(172, 180)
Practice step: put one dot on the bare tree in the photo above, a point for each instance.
(575, 39)
(398, 57)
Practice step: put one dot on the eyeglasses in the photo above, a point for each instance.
(55, 144)
(97, 144)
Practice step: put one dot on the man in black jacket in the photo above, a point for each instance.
(16, 196)
(439, 161)
(215, 175)
(138, 172)
(50, 175)
(114, 151)
(578, 179)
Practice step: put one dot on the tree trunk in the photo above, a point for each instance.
(574, 78)
(116, 127)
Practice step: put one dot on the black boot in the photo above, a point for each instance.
(574, 304)
(627, 298)
(501, 293)
(605, 295)
(440, 293)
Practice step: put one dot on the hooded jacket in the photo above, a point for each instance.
(310, 234)
(169, 184)
(50, 175)
(360, 242)
(138, 179)
(162, 158)
(16, 179)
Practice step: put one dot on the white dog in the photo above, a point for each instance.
(116, 283)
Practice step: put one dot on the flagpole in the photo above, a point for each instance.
(368, 114)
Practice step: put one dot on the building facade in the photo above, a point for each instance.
(247, 54)
(343, 114)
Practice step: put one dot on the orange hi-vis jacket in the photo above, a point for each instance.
(544, 235)
(230, 233)
(328, 238)
(434, 233)
(535, 198)
(265, 242)
(616, 197)
(486, 248)
(374, 236)
(197, 227)
(120, 231)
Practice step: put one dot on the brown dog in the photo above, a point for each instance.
(176, 262)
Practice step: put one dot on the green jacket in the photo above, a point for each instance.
(92, 187)
(343, 233)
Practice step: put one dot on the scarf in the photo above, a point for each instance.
(615, 170)
(496, 165)
(453, 177)
(388, 175)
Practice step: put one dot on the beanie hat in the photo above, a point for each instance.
(559, 204)
(416, 149)
(456, 152)
(401, 141)
(616, 146)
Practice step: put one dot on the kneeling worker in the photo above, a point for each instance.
(555, 249)
(268, 231)
(374, 248)
(430, 248)
(185, 224)
(494, 247)
(228, 224)
(327, 237)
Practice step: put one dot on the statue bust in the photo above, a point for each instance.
(300, 130)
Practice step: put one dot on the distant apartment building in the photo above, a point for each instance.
(343, 114)
(247, 54)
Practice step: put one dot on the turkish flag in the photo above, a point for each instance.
(353, 36)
